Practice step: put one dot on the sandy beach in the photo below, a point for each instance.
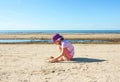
(91, 63)
(33, 46)
(66, 36)
(92, 38)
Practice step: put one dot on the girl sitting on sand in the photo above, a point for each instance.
(66, 49)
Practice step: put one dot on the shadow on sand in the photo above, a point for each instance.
(87, 60)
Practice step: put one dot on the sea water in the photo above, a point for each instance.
(60, 31)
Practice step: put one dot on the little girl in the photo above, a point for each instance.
(66, 49)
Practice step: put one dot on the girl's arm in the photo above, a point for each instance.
(61, 54)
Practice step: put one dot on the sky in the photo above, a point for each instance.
(59, 14)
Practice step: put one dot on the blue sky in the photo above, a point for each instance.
(59, 14)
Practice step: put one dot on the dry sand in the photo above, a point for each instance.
(27, 63)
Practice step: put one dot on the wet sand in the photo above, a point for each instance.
(66, 36)
(93, 38)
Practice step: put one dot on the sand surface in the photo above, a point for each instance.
(27, 63)
(66, 36)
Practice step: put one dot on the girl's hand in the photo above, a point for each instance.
(51, 57)
(53, 60)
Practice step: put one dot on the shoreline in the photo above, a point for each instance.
(66, 36)
(111, 38)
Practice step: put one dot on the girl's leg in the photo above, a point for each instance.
(64, 58)
(67, 55)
